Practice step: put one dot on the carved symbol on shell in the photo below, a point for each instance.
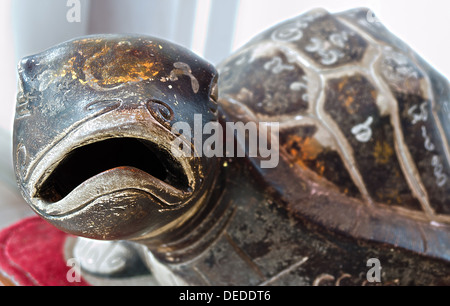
(436, 163)
(429, 145)
(422, 116)
(441, 178)
(398, 67)
(290, 32)
(317, 45)
(323, 278)
(301, 85)
(363, 132)
(276, 66)
(328, 50)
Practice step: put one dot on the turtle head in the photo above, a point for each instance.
(93, 135)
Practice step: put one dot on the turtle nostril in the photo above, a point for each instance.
(28, 66)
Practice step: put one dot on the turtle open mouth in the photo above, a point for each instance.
(87, 162)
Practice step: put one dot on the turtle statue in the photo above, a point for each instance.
(335, 169)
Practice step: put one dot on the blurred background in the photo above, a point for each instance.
(211, 28)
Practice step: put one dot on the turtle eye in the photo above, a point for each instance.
(29, 68)
(161, 112)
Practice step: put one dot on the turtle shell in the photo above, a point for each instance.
(364, 127)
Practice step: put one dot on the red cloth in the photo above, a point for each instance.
(31, 253)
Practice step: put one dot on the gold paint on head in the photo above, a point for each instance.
(113, 64)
